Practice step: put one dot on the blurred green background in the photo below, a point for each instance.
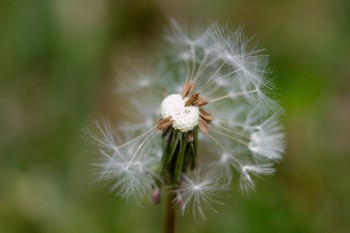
(58, 59)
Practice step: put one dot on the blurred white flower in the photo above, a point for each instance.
(201, 117)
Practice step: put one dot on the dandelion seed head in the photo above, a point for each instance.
(185, 117)
(222, 123)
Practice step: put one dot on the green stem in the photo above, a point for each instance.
(179, 155)
(170, 214)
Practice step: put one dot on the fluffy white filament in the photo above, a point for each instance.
(245, 136)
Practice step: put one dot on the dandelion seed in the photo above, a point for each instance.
(246, 181)
(199, 192)
(268, 140)
(131, 172)
(206, 119)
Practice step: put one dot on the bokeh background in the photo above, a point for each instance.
(58, 60)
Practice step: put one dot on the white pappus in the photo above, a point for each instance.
(208, 91)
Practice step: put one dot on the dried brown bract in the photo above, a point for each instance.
(165, 124)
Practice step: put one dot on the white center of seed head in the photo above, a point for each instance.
(185, 118)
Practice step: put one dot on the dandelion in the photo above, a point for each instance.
(198, 192)
(203, 116)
